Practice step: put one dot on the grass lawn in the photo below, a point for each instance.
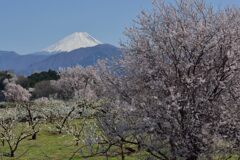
(49, 146)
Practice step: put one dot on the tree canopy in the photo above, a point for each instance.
(42, 76)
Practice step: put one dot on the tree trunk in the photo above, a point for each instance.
(11, 154)
(77, 143)
(122, 152)
(34, 136)
(60, 131)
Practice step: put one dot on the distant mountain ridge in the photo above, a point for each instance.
(78, 48)
(15, 62)
(28, 64)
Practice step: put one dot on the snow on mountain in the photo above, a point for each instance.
(74, 41)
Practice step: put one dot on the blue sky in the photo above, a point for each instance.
(31, 25)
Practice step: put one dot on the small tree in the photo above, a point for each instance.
(12, 132)
(31, 113)
(58, 113)
(44, 89)
(76, 129)
(85, 114)
(75, 83)
(16, 93)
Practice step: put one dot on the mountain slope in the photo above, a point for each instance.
(6, 59)
(15, 62)
(74, 41)
(82, 56)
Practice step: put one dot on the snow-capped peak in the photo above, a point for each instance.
(74, 41)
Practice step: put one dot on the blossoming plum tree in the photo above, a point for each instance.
(179, 82)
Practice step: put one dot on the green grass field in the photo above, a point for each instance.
(49, 146)
(53, 146)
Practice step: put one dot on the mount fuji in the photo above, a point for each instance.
(78, 48)
(74, 41)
